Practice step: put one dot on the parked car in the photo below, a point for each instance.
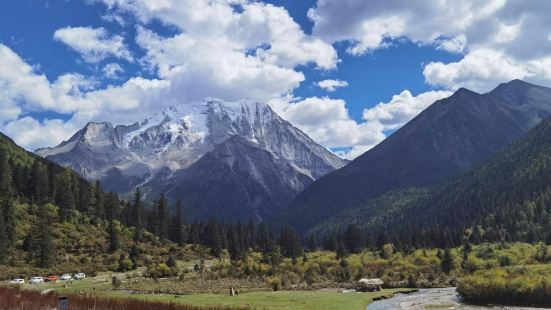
(66, 277)
(17, 281)
(52, 279)
(36, 280)
(79, 276)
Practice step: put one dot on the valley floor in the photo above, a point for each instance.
(300, 300)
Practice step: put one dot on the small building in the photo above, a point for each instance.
(369, 285)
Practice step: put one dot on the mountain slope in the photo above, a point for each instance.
(507, 197)
(157, 153)
(442, 142)
(236, 174)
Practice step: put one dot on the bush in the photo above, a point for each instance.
(274, 283)
(516, 286)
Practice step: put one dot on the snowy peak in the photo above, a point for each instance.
(273, 162)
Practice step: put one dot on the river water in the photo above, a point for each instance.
(445, 298)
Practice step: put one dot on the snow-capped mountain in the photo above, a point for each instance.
(267, 159)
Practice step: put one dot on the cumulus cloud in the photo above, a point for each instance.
(331, 85)
(516, 32)
(93, 44)
(23, 90)
(328, 122)
(31, 133)
(479, 70)
(401, 108)
(226, 49)
(20, 86)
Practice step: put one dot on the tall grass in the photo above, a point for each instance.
(18, 299)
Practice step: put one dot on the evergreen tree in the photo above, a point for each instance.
(39, 182)
(6, 182)
(162, 218)
(136, 215)
(341, 250)
(42, 242)
(211, 237)
(9, 221)
(353, 239)
(263, 239)
(114, 241)
(311, 242)
(4, 242)
(234, 246)
(330, 243)
(176, 231)
(111, 207)
(290, 243)
(447, 263)
(97, 206)
(134, 255)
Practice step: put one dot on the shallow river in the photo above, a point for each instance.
(445, 298)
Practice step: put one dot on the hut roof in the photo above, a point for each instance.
(371, 281)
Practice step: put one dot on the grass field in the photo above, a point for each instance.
(300, 300)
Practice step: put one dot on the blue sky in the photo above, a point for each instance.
(395, 60)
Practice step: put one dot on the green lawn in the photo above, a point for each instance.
(281, 300)
(299, 300)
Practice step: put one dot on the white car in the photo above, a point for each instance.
(17, 281)
(36, 280)
(79, 276)
(65, 277)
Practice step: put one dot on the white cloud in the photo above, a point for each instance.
(328, 122)
(216, 51)
(331, 85)
(31, 133)
(480, 70)
(453, 45)
(112, 70)
(20, 86)
(515, 32)
(94, 44)
(401, 108)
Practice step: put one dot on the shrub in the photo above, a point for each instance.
(274, 283)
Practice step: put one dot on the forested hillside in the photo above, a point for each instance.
(52, 219)
(445, 141)
(508, 198)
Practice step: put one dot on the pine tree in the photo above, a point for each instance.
(4, 242)
(136, 215)
(9, 221)
(341, 250)
(311, 242)
(6, 182)
(134, 255)
(353, 239)
(211, 237)
(263, 239)
(330, 243)
(39, 182)
(290, 243)
(176, 231)
(42, 243)
(114, 241)
(162, 218)
(447, 263)
(97, 207)
(234, 246)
